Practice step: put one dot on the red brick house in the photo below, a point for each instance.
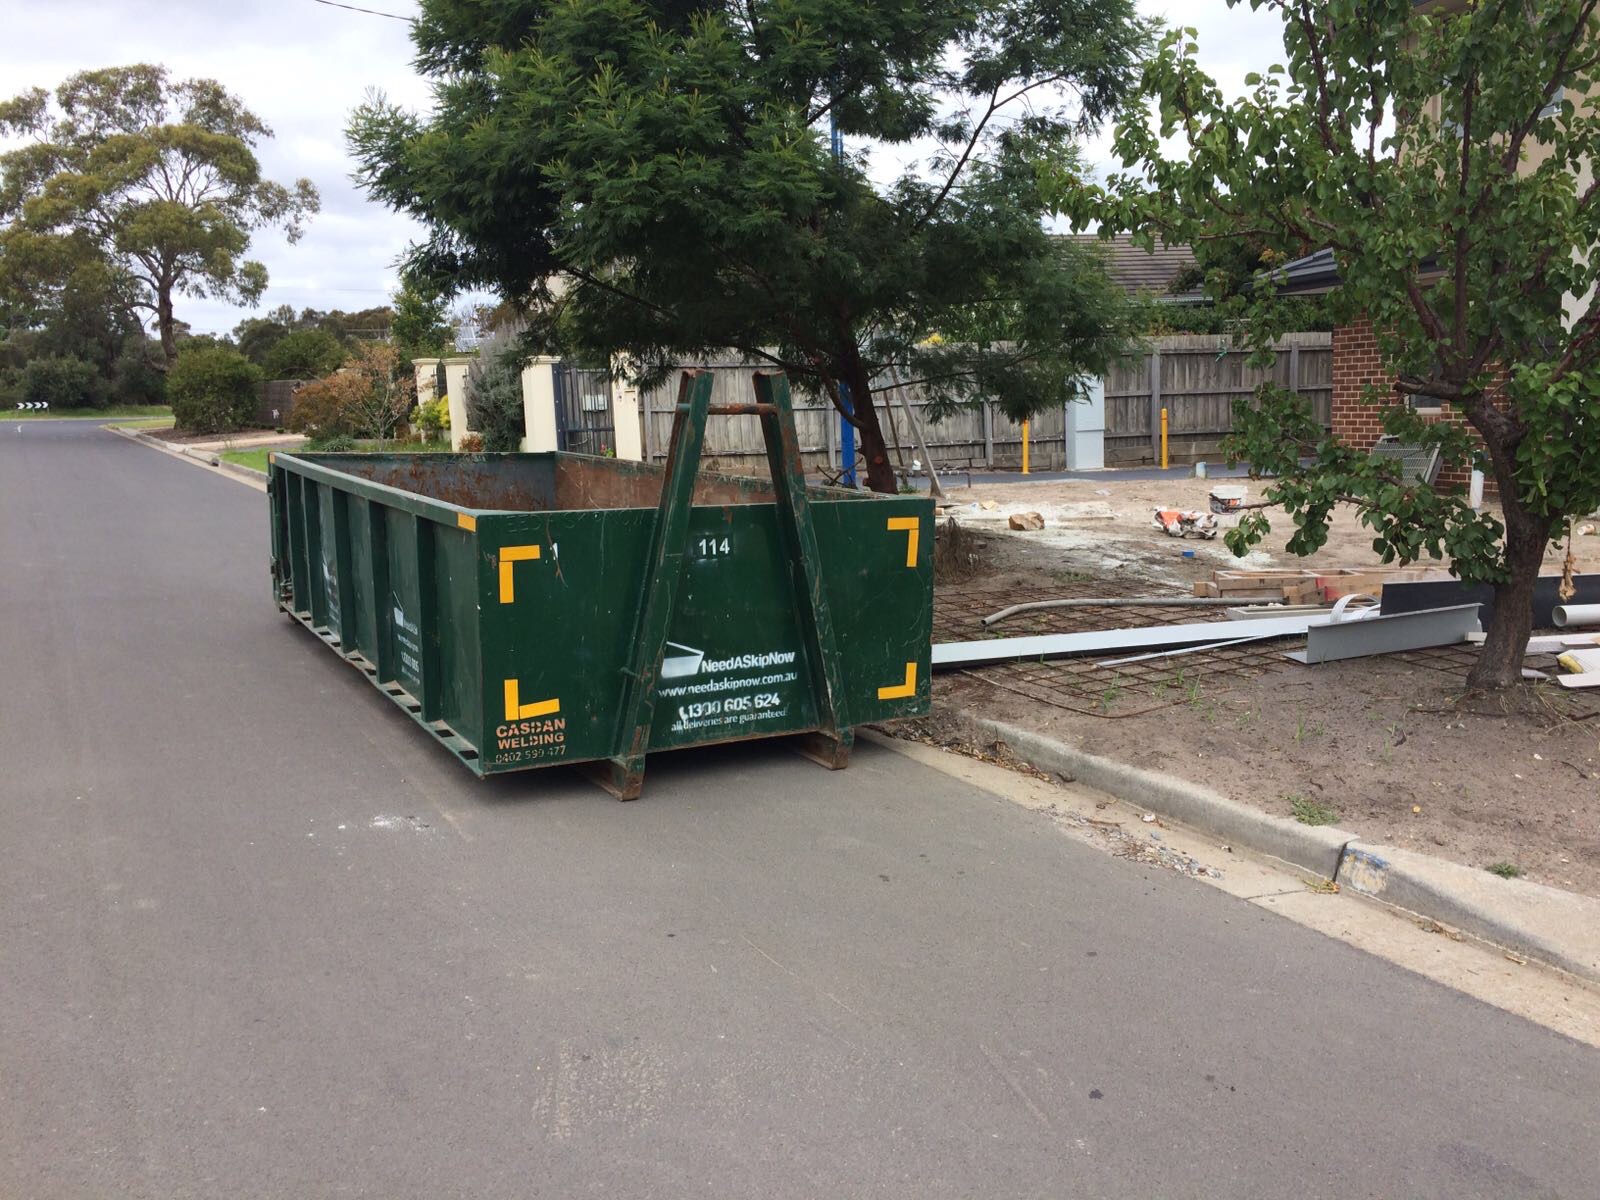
(1357, 366)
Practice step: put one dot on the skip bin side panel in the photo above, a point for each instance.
(358, 565)
(332, 614)
(877, 569)
(560, 591)
(455, 588)
(736, 664)
(297, 495)
(404, 600)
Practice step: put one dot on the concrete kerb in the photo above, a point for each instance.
(205, 458)
(1560, 929)
(1556, 927)
(1311, 848)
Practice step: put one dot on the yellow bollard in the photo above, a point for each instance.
(1024, 447)
(1163, 441)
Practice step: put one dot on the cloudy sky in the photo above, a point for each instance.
(303, 65)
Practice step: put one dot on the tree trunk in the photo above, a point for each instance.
(879, 470)
(164, 324)
(1499, 664)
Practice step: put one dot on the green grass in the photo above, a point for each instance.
(90, 414)
(256, 460)
(143, 423)
(1309, 812)
(1504, 869)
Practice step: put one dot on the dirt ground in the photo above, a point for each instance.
(1384, 746)
(1108, 524)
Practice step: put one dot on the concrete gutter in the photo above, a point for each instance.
(1559, 928)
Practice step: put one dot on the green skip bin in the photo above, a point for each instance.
(530, 610)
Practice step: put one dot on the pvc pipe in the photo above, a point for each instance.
(1575, 614)
(1024, 447)
(1163, 439)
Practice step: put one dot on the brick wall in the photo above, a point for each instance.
(1358, 365)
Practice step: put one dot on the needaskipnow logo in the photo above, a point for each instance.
(690, 661)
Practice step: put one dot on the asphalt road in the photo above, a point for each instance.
(260, 938)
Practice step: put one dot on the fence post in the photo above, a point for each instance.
(1155, 405)
(647, 407)
(988, 434)
(539, 424)
(831, 427)
(627, 437)
(1294, 368)
(455, 377)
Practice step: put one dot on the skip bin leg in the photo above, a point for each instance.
(830, 744)
(623, 774)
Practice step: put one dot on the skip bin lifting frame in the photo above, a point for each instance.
(534, 610)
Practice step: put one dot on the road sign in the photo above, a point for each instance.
(22, 404)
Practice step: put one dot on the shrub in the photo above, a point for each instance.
(431, 416)
(369, 396)
(494, 400)
(63, 383)
(341, 443)
(136, 376)
(212, 389)
(322, 409)
(303, 354)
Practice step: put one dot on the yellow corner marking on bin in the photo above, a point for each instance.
(509, 555)
(467, 521)
(912, 528)
(901, 691)
(272, 457)
(517, 711)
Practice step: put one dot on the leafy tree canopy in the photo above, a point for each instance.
(149, 182)
(303, 354)
(1444, 156)
(421, 324)
(653, 179)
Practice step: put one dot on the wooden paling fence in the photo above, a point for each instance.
(1196, 378)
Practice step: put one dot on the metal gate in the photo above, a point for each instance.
(584, 424)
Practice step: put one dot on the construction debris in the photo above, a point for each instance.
(1564, 615)
(1119, 602)
(1310, 587)
(1411, 596)
(1359, 635)
(1226, 498)
(1158, 637)
(1182, 523)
